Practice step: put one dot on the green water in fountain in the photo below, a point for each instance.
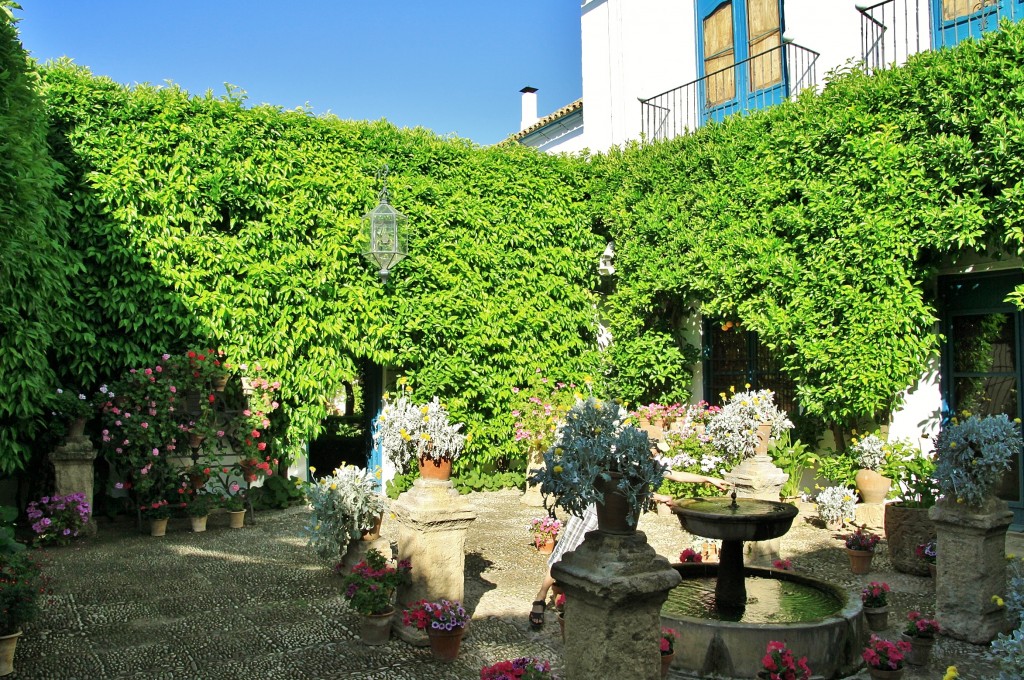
(769, 600)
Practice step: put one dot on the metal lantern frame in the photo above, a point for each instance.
(383, 231)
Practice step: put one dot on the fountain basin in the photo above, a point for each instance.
(733, 649)
(739, 519)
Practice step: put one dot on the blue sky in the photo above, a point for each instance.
(454, 66)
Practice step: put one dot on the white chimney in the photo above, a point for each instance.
(529, 116)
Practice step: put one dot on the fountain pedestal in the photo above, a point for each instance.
(758, 477)
(615, 586)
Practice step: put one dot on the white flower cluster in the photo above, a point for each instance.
(734, 429)
(344, 505)
(870, 452)
(405, 430)
(836, 504)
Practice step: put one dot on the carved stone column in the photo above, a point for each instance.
(432, 523)
(971, 568)
(73, 470)
(615, 586)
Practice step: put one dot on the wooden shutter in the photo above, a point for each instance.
(764, 35)
(951, 9)
(719, 54)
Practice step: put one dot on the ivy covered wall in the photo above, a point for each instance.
(202, 222)
(818, 224)
(35, 261)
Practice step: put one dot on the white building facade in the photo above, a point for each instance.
(655, 69)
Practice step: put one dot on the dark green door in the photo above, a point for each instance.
(981, 371)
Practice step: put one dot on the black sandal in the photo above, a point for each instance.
(537, 618)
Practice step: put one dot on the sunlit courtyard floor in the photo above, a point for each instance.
(254, 603)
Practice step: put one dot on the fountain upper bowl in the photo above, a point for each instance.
(740, 519)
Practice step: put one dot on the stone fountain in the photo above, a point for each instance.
(724, 629)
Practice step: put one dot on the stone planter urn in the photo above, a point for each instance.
(971, 568)
(905, 529)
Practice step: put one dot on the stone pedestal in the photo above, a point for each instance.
(614, 587)
(971, 568)
(432, 523)
(871, 516)
(73, 472)
(905, 529)
(758, 477)
(532, 496)
(357, 550)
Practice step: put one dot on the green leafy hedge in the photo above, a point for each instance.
(819, 223)
(35, 261)
(203, 222)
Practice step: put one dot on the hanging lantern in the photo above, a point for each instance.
(382, 232)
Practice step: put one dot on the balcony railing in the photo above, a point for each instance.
(684, 109)
(893, 30)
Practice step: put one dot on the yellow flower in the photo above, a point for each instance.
(312, 469)
(951, 673)
(558, 469)
(587, 380)
(847, 498)
(558, 451)
(722, 395)
(965, 414)
(425, 437)
(746, 385)
(469, 438)
(424, 409)
(408, 388)
(405, 435)
(732, 389)
(1011, 556)
(377, 473)
(597, 404)
(403, 380)
(998, 600)
(334, 487)
(597, 430)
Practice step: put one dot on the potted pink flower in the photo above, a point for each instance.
(884, 657)
(920, 634)
(780, 663)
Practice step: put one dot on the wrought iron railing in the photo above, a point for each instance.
(684, 109)
(893, 30)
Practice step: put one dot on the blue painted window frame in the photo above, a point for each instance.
(974, 25)
(745, 99)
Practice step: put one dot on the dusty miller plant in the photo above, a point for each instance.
(734, 429)
(344, 504)
(1007, 650)
(405, 430)
(594, 442)
(836, 504)
(870, 452)
(973, 454)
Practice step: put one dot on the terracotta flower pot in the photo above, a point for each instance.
(860, 560)
(545, 544)
(373, 533)
(666, 663)
(376, 628)
(877, 618)
(444, 644)
(613, 516)
(872, 486)
(158, 527)
(8, 643)
(884, 674)
(430, 468)
(920, 649)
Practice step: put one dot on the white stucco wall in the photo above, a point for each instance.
(631, 49)
(829, 27)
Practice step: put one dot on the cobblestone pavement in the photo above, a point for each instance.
(254, 602)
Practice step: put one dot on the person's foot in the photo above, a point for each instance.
(537, 614)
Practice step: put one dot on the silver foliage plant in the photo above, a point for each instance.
(836, 504)
(870, 452)
(405, 430)
(344, 504)
(1007, 650)
(594, 442)
(734, 429)
(973, 454)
